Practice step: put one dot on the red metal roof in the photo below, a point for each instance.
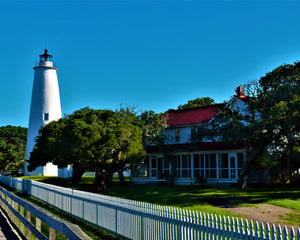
(192, 115)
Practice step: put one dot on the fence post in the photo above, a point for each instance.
(28, 218)
(262, 229)
(279, 233)
(273, 236)
(285, 233)
(38, 224)
(9, 212)
(116, 214)
(237, 228)
(256, 230)
(142, 221)
(51, 234)
(251, 230)
(12, 215)
(268, 230)
(293, 236)
(16, 207)
(22, 226)
(228, 227)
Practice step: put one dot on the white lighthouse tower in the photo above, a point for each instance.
(45, 107)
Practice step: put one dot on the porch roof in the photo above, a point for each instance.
(195, 147)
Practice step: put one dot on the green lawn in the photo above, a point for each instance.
(192, 197)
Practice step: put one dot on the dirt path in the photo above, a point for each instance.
(260, 212)
(264, 213)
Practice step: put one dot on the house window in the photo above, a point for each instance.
(224, 166)
(178, 166)
(186, 166)
(210, 166)
(143, 169)
(166, 167)
(194, 131)
(177, 135)
(232, 167)
(198, 165)
(153, 167)
(183, 166)
(46, 116)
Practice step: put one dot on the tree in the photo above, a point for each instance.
(280, 91)
(198, 102)
(12, 147)
(154, 125)
(270, 125)
(103, 140)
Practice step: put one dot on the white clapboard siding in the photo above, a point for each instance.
(139, 220)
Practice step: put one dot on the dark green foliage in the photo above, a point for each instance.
(198, 102)
(153, 125)
(103, 140)
(12, 147)
(270, 126)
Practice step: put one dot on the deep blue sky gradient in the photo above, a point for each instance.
(153, 55)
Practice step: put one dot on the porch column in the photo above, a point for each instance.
(150, 166)
(192, 166)
(217, 165)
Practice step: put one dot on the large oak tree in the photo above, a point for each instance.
(270, 126)
(101, 140)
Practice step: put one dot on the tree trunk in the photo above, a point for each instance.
(121, 177)
(100, 184)
(251, 155)
(77, 174)
(173, 171)
(109, 178)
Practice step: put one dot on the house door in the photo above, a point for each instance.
(232, 160)
(159, 167)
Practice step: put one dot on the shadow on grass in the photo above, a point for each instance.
(196, 198)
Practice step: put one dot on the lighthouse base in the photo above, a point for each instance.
(48, 170)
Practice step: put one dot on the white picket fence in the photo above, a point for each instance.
(130, 219)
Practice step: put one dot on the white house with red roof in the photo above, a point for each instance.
(214, 162)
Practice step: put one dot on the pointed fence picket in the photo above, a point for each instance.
(130, 219)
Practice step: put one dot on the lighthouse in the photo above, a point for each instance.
(45, 107)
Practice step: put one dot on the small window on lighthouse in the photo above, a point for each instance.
(46, 116)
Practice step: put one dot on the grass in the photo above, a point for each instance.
(195, 197)
(292, 219)
(293, 204)
(190, 197)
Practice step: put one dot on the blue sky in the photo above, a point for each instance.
(152, 55)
